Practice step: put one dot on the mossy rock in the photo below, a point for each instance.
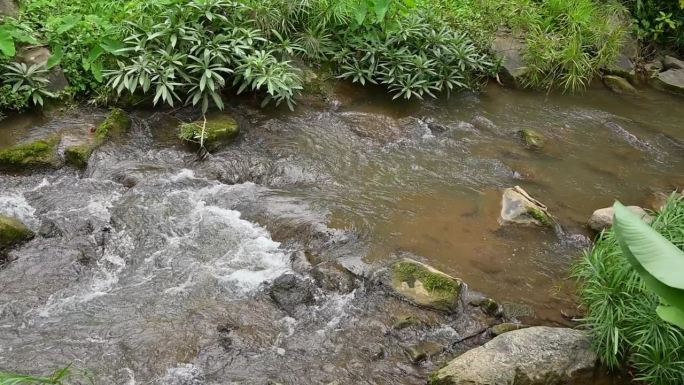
(219, 130)
(426, 286)
(517, 206)
(39, 154)
(12, 233)
(532, 139)
(406, 321)
(116, 124)
(618, 84)
(78, 156)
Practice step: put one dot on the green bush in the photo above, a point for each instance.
(621, 310)
(659, 23)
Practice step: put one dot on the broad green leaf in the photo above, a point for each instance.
(672, 315)
(55, 58)
(96, 69)
(7, 47)
(67, 23)
(360, 14)
(662, 259)
(381, 8)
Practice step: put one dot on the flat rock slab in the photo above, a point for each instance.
(671, 80)
(510, 50)
(532, 356)
(602, 219)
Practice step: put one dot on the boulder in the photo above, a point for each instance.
(12, 233)
(289, 291)
(509, 50)
(518, 207)
(39, 154)
(533, 356)
(618, 84)
(673, 63)
(220, 129)
(40, 55)
(425, 286)
(602, 219)
(9, 8)
(77, 149)
(332, 276)
(532, 139)
(623, 66)
(670, 80)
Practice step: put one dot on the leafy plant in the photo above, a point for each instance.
(59, 377)
(28, 80)
(659, 263)
(621, 309)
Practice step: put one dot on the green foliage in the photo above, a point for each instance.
(31, 81)
(621, 309)
(568, 41)
(64, 376)
(659, 263)
(659, 22)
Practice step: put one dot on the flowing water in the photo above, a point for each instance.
(153, 268)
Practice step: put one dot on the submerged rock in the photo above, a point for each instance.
(423, 351)
(39, 154)
(425, 286)
(517, 206)
(671, 80)
(289, 291)
(532, 139)
(12, 233)
(510, 50)
(332, 276)
(532, 356)
(602, 219)
(220, 129)
(618, 84)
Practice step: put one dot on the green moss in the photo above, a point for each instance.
(116, 123)
(78, 156)
(540, 216)
(12, 232)
(433, 282)
(219, 129)
(406, 322)
(39, 154)
(533, 140)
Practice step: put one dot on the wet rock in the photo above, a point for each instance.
(488, 306)
(484, 124)
(506, 327)
(671, 63)
(186, 374)
(49, 229)
(532, 356)
(379, 127)
(220, 130)
(332, 276)
(39, 154)
(602, 219)
(670, 80)
(518, 207)
(656, 201)
(516, 310)
(425, 286)
(510, 50)
(532, 139)
(374, 351)
(652, 68)
(12, 233)
(300, 263)
(289, 291)
(405, 322)
(77, 150)
(40, 55)
(8, 8)
(423, 351)
(618, 85)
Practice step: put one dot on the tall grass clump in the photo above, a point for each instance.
(568, 41)
(621, 310)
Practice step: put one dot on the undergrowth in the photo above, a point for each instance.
(621, 311)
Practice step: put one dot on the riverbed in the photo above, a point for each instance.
(153, 267)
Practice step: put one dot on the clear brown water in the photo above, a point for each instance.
(189, 242)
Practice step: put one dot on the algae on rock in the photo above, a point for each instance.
(12, 232)
(218, 130)
(38, 154)
(425, 285)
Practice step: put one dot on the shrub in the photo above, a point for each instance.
(621, 310)
(659, 22)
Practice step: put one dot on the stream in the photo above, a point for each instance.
(151, 267)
